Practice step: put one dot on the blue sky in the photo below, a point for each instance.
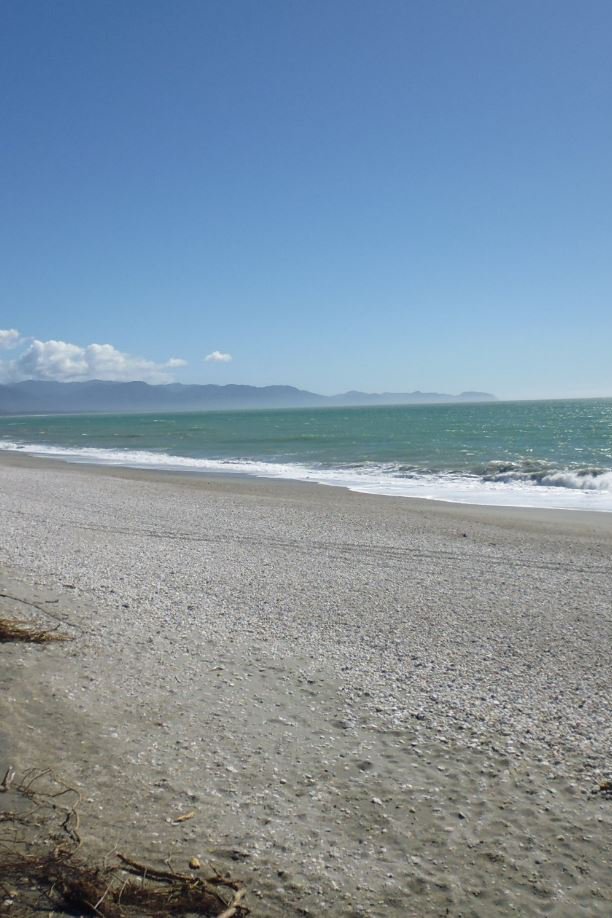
(340, 194)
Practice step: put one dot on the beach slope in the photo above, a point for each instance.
(371, 706)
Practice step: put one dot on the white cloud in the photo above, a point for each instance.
(218, 357)
(9, 338)
(65, 362)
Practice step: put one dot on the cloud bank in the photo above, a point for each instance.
(218, 357)
(61, 361)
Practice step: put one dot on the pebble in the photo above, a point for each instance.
(362, 601)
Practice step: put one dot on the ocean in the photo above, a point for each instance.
(530, 453)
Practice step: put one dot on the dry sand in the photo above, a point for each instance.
(375, 706)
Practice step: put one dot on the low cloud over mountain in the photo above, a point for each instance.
(61, 361)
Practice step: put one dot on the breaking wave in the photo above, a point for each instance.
(583, 479)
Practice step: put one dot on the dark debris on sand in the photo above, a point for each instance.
(43, 870)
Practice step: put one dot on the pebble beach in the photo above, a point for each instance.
(373, 706)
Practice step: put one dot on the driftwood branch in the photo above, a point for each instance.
(40, 608)
(39, 858)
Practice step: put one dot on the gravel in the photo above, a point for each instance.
(373, 704)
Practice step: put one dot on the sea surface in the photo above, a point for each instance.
(532, 454)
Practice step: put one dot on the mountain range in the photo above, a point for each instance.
(49, 397)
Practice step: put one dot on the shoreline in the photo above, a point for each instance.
(585, 520)
(538, 497)
(374, 705)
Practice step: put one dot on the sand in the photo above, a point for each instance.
(374, 706)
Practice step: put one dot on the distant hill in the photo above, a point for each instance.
(40, 397)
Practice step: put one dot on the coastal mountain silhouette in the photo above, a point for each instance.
(42, 396)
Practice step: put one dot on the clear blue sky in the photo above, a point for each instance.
(338, 193)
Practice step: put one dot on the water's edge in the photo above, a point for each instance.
(560, 489)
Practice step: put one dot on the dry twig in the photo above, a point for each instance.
(39, 608)
(46, 872)
(15, 630)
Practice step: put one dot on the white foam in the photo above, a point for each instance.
(560, 490)
(585, 480)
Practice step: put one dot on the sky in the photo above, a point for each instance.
(383, 195)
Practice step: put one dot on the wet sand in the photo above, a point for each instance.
(375, 706)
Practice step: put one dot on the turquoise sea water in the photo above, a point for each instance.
(548, 453)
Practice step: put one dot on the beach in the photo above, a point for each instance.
(371, 705)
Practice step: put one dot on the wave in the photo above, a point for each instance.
(542, 474)
(526, 484)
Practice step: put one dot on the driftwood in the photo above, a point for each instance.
(42, 868)
(12, 629)
(40, 608)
